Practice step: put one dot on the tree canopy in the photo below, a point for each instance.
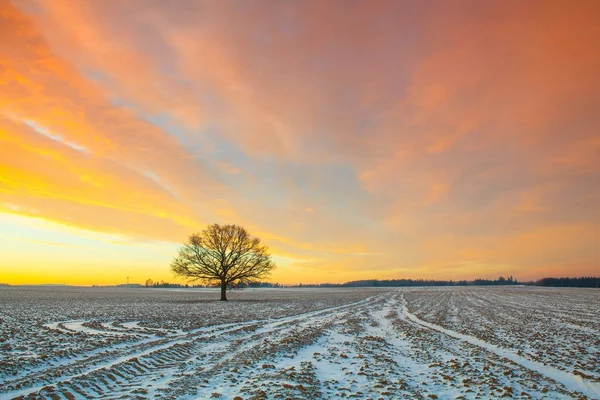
(224, 255)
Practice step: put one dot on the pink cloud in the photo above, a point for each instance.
(406, 125)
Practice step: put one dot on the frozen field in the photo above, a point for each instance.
(423, 343)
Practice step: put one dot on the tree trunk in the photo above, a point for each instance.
(223, 291)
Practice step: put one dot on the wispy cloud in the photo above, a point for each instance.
(387, 138)
(33, 241)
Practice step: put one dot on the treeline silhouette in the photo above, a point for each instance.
(171, 285)
(162, 284)
(582, 282)
(257, 285)
(416, 282)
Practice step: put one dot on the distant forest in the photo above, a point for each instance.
(582, 282)
(418, 282)
(589, 282)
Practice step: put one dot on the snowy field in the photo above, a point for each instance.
(446, 343)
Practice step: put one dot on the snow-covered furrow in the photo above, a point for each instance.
(445, 343)
(574, 383)
(161, 357)
(68, 369)
(369, 352)
(540, 336)
(546, 302)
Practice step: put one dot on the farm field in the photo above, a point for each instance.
(446, 343)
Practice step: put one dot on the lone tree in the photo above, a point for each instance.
(223, 254)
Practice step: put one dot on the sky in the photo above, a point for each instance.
(358, 139)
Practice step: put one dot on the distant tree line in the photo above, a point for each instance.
(430, 282)
(243, 285)
(361, 283)
(162, 284)
(417, 282)
(582, 282)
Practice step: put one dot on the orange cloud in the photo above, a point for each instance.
(429, 137)
(86, 162)
(51, 180)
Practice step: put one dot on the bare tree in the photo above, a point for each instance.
(223, 254)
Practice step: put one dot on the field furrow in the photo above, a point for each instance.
(396, 343)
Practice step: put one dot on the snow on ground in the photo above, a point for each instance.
(446, 343)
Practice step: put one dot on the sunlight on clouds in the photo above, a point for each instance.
(55, 253)
(13, 224)
(45, 132)
(358, 140)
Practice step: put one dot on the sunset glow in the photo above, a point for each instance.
(365, 139)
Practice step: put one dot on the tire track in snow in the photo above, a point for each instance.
(568, 380)
(269, 358)
(274, 332)
(152, 350)
(102, 361)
